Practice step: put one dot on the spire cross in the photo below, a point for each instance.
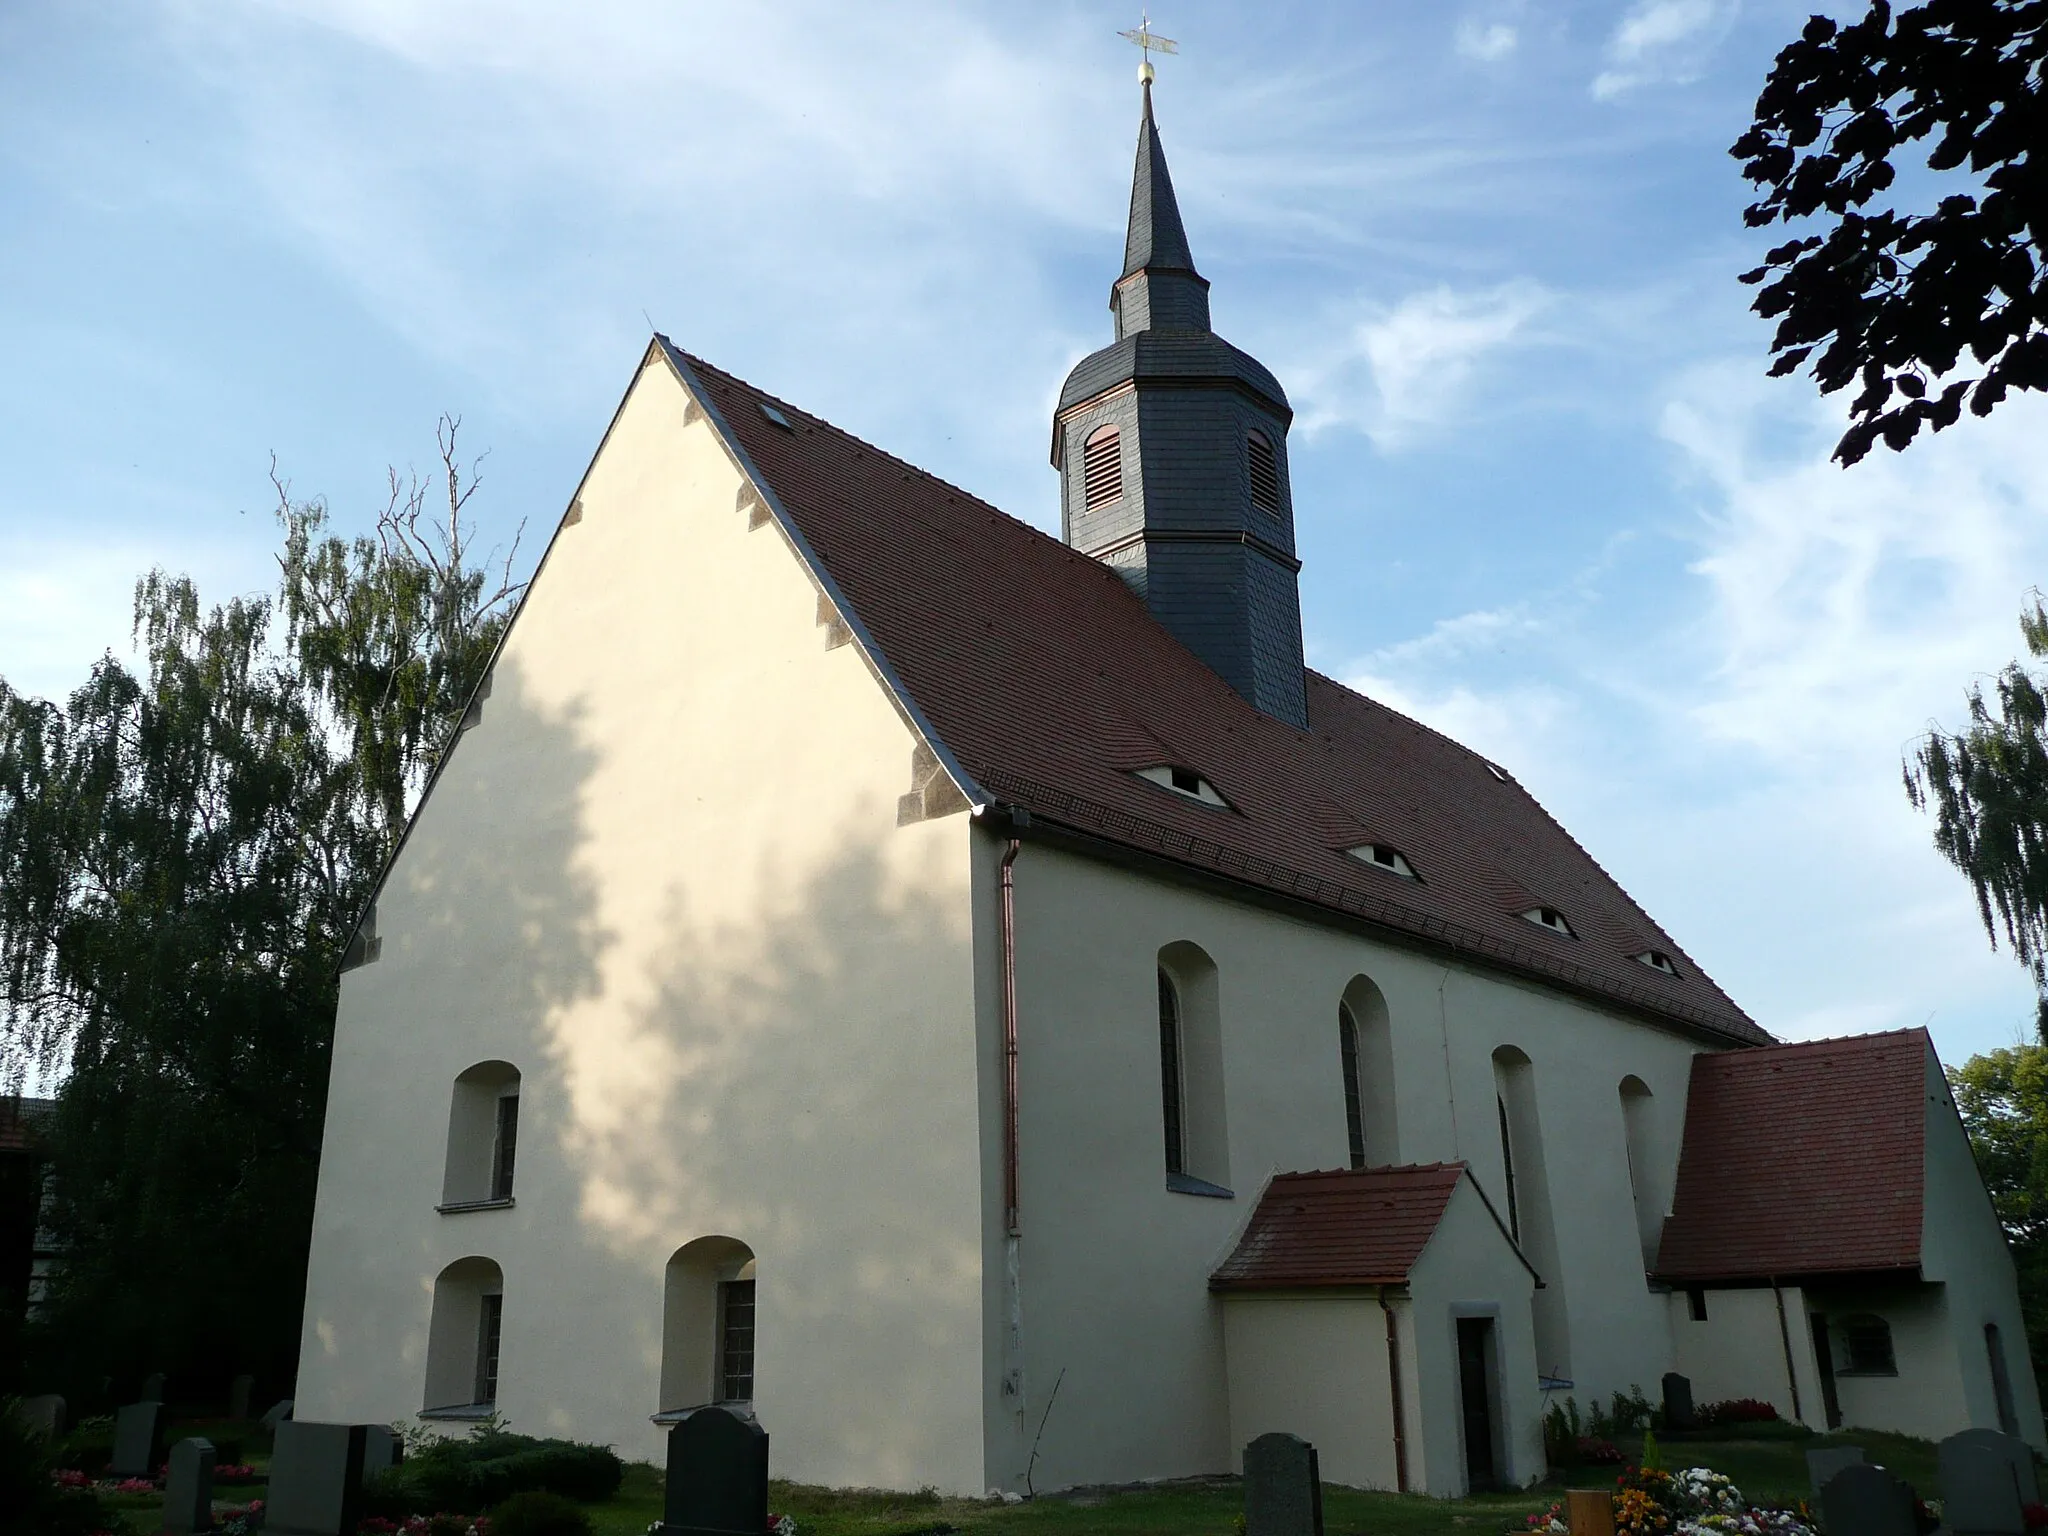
(1148, 40)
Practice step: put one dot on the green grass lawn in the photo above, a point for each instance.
(1765, 1465)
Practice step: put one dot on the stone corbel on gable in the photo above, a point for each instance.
(932, 791)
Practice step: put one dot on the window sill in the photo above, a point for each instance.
(471, 1411)
(672, 1416)
(1852, 1375)
(1188, 1184)
(457, 1207)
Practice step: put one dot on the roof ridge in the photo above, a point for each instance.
(1861, 1041)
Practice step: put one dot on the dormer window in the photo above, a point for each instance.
(776, 416)
(1380, 856)
(1551, 918)
(1102, 468)
(1265, 468)
(1184, 781)
(1657, 960)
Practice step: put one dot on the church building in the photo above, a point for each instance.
(978, 1003)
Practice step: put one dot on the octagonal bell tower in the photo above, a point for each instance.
(1172, 450)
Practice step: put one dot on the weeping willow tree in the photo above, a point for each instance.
(185, 846)
(1987, 786)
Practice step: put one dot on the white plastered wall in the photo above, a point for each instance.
(1740, 1351)
(663, 878)
(1114, 1267)
(1314, 1364)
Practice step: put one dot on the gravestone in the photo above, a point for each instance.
(152, 1388)
(1283, 1487)
(316, 1480)
(2010, 1447)
(188, 1487)
(1980, 1492)
(277, 1413)
(1589, 1512)
(238, 1396)
(1678, 1409)
(1867, 1501)
(138, 1440)
(44, 1415)
(380, 1449)
(1825, 1463)
(717, 1476)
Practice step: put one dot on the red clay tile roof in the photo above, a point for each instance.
(1363, 1226)
(1801, 1159)
(1047, 681)
(21, 1121)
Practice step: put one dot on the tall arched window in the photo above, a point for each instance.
(1644, 1181)
(1265, 471)
(1191, 1072)
(1102, 468)
(1526, 1183)
(707, 1325)
(1366, 1053)
(483, 1136)
(463, 1338)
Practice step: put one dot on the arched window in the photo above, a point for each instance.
(1102, 468)
(1644, 1181)
(1265, 471)
(1366, 1053)
(483, 1136)
(707, 1325)
(1868, 1341)
(463, 1336)
(1525, 1182)
(1191, 1073)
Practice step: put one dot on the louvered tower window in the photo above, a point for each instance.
(1102, 468)
(1265, 467)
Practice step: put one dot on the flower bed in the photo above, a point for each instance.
(1697, 1501)
(1738, 1410)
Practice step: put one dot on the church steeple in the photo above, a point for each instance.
(1172, 450)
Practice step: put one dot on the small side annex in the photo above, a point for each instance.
(1384, 1315)
(1831, 1248)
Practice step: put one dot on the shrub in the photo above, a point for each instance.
(470, 1475)
(1739, 1410)
(538, 1514)
(32, 1503)
(90, 1445)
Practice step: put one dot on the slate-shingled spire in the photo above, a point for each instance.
(1189, 500)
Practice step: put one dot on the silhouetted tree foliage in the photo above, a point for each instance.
(1890, 300)
(185, 849)
(1988, 788)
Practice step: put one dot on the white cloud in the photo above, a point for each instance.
(1488, 42)
(1405, 373)
(1662, 40)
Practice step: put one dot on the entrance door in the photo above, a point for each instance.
(1825, 1359)
(1475, 1399)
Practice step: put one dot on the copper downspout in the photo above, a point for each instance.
(1785, 1339)
(1009, 926)
(1394, 1396)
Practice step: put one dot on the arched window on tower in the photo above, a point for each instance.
(707, 1325)
(1102, 468)
(483, 1136)
(463, 1332)
(1265, 468)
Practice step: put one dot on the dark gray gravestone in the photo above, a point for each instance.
(152, 1388)
(1980, 1492)
(188, 1487)
(316, 1480)
(380, 1449)
(717, 1476)
(138, 1440)
(1825, 1463)
(2009, 1447)
(43, 1414)
(1678, 1409)
(277, 1413)
(1283, 1487)
(238, 1396)
(1867, 1501)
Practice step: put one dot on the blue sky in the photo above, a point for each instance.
(1547, 500)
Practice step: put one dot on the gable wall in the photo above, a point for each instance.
(663, 877)
(1115, 1266)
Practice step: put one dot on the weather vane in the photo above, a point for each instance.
(1148, 40)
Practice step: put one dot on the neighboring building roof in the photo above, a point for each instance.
(1040, 676)
(22, 1120)
(1802, 1159)
(1361, 1226)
